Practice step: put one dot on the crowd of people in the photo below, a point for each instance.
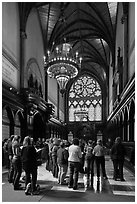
(63, 159)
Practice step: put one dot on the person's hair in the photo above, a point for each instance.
(67, 143)
(16, 138)
(62, 144)
(118, 140)
(56, 142)
(76, 141)
(11, 137)
(27, 141)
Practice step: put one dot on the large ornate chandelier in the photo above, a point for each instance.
(62, 65)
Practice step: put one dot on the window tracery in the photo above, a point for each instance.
(85, 95)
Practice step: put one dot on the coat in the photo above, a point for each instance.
(117, 151)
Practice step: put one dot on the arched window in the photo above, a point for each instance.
(85, 100)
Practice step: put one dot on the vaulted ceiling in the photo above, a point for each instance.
(88, 26)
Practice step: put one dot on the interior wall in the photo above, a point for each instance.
(119, 33)
(10, 44)
(10, 29)
(131, 40)
(34, 47)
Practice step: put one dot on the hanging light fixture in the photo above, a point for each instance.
(61, 64)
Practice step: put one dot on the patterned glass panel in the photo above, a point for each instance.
(85, 94)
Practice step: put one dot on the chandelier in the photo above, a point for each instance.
(62, 65)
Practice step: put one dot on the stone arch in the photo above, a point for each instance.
(38, 127)
(126, 124)
(19, 127)
(121, 125)
(33, 70)
(7, 122)
(132, 121)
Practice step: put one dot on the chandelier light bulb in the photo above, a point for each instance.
(76, 54)
(48, 52)
(57, 49)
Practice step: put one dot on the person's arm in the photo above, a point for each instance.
(94, 151)
(66, 155)
(79, 153)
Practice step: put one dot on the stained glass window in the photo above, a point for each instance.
(85, 100)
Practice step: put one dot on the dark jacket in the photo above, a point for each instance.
(62, 156)
(29, 157)
(45, 152)
(117, 152)
(10, 153)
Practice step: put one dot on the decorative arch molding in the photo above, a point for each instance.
(7, 122)
(33, 61)
(33, 71)
(38, 125)
(102, 84)
(132, 105)
(126, 112)
(10, 113)
(85, 93)
(132, 121)
(20, 116)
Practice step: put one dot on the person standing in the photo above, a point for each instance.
(99, 153)
(117, 154)
(54, 158)
(45, 153)
(16, 161)
(10, 154)
(5, 151)
(75, 156)
(62, 160)
(29, 161)
(82, 146)
(89, 160)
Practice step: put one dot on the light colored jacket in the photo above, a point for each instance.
(74, 153)
(98, 150)
(16, 150)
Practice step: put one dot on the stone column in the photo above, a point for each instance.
(23, 37)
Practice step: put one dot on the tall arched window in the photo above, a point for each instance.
(85, 100)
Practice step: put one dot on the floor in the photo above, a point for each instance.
(50, 191)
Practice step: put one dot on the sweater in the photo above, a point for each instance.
(74, 153)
